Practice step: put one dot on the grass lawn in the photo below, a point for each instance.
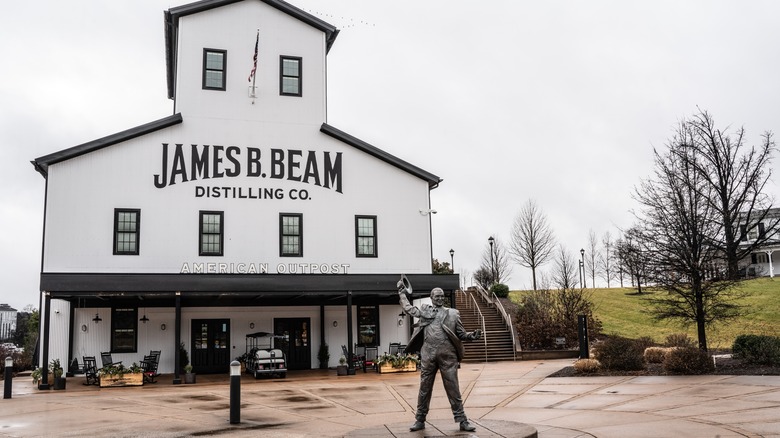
(623, 312)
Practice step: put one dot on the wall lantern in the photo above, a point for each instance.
(144, 319)
(83, 327)
(162, 327)
(251, 325)
(335, 323)
(97, 318)
(401, 319)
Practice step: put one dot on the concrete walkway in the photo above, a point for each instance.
(318, 403)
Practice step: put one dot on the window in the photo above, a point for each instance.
(290, 78)
(211, 233)
(365, 236)
(127, 228)
(368, 326)
(290, 235)
(214, 69)
(124, 325)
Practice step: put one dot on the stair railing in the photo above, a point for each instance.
(482, 324)
(492, 300)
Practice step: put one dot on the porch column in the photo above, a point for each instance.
(177, 340)
(350, 364)
(771, 267)
(45, 344)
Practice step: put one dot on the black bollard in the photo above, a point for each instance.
(583, 336)
(235, 392)
(9, 371)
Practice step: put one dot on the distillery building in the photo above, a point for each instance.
(243, 211)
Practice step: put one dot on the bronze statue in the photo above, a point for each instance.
(438, 339)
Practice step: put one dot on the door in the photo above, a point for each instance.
(210, 352)
(293, 340)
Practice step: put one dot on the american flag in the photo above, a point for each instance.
(254, 66)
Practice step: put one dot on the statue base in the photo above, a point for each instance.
(445, 428)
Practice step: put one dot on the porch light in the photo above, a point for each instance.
(97, 318)
(144, 319)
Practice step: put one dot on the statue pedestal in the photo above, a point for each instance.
(444, 428)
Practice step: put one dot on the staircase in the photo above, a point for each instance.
(498, 345)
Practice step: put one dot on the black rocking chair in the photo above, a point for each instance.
(90, 370)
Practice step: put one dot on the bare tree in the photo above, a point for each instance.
(591, 255)
(676, 227)
(564, 275)
(631, 257)
(735, 176)
(496, 260)
(606, 258)
(532, 240)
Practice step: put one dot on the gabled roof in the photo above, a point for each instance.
(433, 180)
(172, 26)
(41, 164)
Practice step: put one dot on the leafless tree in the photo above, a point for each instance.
(606, 258)
(735, 176)
(631, 257)
(564, 275)
(591, 257)
(676, 228)
(532, 241)
(495, 260)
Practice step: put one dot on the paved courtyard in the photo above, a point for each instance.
(319, 403)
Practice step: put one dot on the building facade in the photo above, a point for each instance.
(243, 211)
(765, 258)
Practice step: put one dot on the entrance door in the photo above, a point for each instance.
(295, 343)
(210, 352)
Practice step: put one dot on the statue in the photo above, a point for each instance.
(438, 339)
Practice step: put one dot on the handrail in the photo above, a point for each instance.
(482, 323)
(493, 300)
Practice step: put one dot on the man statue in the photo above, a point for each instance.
(438, 339)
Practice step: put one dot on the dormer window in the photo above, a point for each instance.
(290, 80)
(214, 69)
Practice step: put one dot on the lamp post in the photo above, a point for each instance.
(492, 262)
(579, 265)
(584, 281)
(452, 260)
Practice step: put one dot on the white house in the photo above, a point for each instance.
(243, 211)
(765, 258)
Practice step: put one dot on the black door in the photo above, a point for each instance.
(210, 352)
(294, 341)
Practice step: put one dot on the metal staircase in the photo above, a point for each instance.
(478, 310)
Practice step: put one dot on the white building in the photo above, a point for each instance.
(8, 317)
(764, 259)
(243, 211)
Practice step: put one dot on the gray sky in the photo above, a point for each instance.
(558, 101)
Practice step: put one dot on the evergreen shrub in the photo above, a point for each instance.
(687, 360)
(757, 349)
(617, 353)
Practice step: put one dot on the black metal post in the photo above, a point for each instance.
(582, 326)
(235, 392)
(350, 345)
(177, 339)
(45, 344)
(9, 370)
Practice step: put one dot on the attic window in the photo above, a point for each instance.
(214, 69)
(290, 76)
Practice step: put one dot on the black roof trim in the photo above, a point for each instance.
(41, 164)
(433, 180)
(172, 16)
(111, 284)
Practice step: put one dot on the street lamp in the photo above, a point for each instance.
(492, 262)
(584, 281)
(452, 260)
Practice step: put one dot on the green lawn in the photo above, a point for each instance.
(625, 313)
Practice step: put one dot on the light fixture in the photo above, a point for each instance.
(144, 319)
(335, 323)
(427, 212)
(83, 327)
(251, 325)
(97, 318)
(162, 327)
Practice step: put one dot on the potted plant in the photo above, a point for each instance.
(341, 369)
(242, 360)
(323, 355)
(36, 375)
(56, 370)
(189, 376)
(119, 375)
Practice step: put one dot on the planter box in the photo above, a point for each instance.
(387, 368)
(128, 379)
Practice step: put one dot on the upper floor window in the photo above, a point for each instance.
(214, 69)
(212, 232)
(291, 76)
(127, 228)
(291, 235)
(365, 236)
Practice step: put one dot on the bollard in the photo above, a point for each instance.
(235, 392)
(9, 370)
(582, 321)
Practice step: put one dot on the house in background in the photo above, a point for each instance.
(243, 211)
(8, 317)
(766, 256)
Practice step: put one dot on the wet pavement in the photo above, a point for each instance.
(319, 403)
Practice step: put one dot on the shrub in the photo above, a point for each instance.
(645, 342)
(587, 366)
(544, 315)
(679, 340)
(616, 353)
(655, 354)
(687, 360)
(757, 349)
(501, 290)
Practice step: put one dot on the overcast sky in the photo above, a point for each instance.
(557, 101)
